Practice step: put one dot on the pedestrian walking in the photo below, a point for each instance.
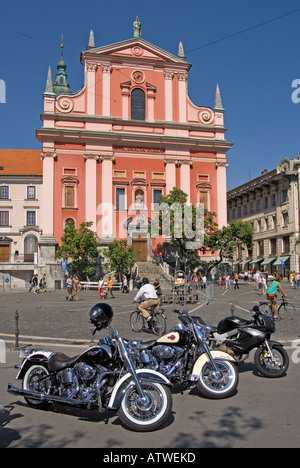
(76, 287)
(69, 286)
(124, 284)
(43, 283)
(228, 281)
(101, 286)
(236, 281)
(110, 286)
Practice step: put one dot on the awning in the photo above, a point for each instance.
(256, 260)
(245, 261)
(267, 261)
(236, 263)
(280, 260)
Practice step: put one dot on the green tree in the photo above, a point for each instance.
(221, 241)
(80, 248)
(225, 241)
(121, 257)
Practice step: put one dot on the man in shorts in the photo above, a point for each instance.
(271, 294)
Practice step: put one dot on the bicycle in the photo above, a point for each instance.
(157, 323)
(285, 310)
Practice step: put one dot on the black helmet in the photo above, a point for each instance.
(101, 315)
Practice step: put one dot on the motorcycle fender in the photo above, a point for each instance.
(203, 359)
(38, 357)
(276, 343)
(127, 380)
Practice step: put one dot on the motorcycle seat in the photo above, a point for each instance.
(147, 344)
(60, 361)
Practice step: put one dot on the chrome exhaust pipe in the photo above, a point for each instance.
(44, 396)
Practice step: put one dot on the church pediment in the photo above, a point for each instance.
(136, 48)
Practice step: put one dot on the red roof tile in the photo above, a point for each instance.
(20, 162)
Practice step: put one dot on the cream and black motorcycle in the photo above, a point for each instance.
(184, 357)
(102, 377)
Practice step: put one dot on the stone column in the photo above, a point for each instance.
(168, 95)
(91, 189)
(106, 70)
(170, 174)
(107, 209)
(47, 241)
(182, 91)
(185, 177)
(91, 69)
(222, 192)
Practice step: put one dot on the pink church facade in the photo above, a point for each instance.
(128, 136)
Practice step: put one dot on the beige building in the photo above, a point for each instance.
(271, 203)
(20, 216)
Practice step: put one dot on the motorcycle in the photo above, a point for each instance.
(238, 337)
(183, 356)
(102, 377)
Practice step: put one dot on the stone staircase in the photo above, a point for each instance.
(152, 271)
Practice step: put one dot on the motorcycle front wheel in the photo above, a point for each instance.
(219, 385)
(272, 366)
(146, 416)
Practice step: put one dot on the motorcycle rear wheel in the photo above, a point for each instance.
(144, 418)
(271, 368)
(32, 381)
(210, 386)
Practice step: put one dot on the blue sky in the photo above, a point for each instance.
(255, 69)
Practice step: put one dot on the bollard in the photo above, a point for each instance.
(17, 330)
(232, 309)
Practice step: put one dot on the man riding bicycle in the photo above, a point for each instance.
(150, 298)
(271, 294)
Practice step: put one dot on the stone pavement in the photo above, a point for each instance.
(48, 318)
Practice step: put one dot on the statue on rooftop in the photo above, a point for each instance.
(137, 28)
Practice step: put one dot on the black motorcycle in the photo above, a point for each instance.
(183, 356)
(238, 337)
(104, 376)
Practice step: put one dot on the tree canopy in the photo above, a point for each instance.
(80, 248)
(121, 257)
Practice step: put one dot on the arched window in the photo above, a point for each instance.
(138, 104)
(30, 248)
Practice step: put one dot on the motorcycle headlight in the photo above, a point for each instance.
(24, 353)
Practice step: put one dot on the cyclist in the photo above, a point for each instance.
(150, 298)
(271, 294)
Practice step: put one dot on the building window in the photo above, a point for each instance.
(285, 219)
(69, 197)
(120, 199)
(266, 203)
(31, 192)
(30, 248)
(69, 222)
(138, 104)
(284, 194)
(156, 199)
(203, 199)
(260, 248)
(4, 218)
(286, 244)
(31, 218)
(4, 192)
(273, 246)
(273, 199)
